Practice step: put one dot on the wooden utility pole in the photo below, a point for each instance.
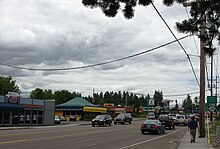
(202, 70)
(202, 74)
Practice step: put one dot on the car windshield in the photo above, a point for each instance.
(151, 122)
(120, 116)
(100, 117)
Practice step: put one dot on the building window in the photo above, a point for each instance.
(1, 117)
(15, 116)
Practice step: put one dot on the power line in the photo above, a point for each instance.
(177, 42)
(97, 64)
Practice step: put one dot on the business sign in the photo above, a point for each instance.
(13, 97)
(211, 100)
(108, 105)
(151, 102)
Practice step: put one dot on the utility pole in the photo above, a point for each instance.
(211, 113)
(202, 70)
(202, 74)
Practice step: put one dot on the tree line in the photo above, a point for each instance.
(7, 84)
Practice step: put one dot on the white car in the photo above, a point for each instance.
(181, 120)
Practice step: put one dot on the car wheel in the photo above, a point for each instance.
(110, 124)
(142, 132)
(93, 125)
(115, 123)
(100, 125)
(129, 122)
(173, 126)
(158, 131)
(170, 127)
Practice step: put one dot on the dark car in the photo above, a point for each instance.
(102, 120)
(167, 121)
(123, 118)
(152, 126)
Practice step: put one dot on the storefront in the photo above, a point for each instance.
(20, 111)
(78, 108)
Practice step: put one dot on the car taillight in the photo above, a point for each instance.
(142, 126)
(154, 126)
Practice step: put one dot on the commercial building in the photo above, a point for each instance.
(24, 111)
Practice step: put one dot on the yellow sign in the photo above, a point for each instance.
(94, 109)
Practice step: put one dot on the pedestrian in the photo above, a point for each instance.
(192, 125)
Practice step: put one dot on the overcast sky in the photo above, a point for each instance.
(65, 34)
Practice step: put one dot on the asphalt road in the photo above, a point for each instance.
(88, 137)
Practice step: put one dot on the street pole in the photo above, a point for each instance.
(211, 114)
(202, 71)
(126, 102)
(202, 75)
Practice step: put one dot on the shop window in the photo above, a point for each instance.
(21, 117)
(34, 117)
(7, 117)
(40, 117)
(15, 116)
(28, 117)
(1, 113)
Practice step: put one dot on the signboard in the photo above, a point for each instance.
(211, 100)
(151, 102)
(211, 109)
(108, 105)
(13, 97)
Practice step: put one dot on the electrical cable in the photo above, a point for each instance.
(178, 43)
(97, 64)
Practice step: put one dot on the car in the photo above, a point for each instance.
(167, 121)
(151, 115)
(57, 120)
(152, 126)
(102, 120)
(62, 118)
(181, 120)
(123, 118)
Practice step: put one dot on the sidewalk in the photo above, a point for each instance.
(201, 143)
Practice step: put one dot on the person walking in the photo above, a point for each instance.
(192, 125)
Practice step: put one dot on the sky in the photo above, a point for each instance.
(57, 34)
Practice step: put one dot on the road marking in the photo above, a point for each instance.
(132, 145)
(9, 142)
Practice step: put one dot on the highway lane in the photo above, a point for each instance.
(86, 136)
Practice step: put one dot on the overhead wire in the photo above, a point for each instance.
(97, 64)
(177, 42)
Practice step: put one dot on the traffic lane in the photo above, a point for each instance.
(118, 136)
(170, 140)
(53, 132)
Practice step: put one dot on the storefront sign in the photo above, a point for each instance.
(108, 105)
(94, 109)
(13, 97)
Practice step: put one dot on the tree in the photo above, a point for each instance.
(187, 104)
(7, 84)
(37, 94)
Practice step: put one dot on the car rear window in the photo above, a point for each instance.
(180, 117)
(150, 122)
(163, 118)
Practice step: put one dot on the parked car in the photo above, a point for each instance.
(123, 118)
(102, 120)
(152, 126)
(62, 118)
(181, 120)
(167, 121)
(57, 120)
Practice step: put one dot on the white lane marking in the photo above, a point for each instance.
(148, 140)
